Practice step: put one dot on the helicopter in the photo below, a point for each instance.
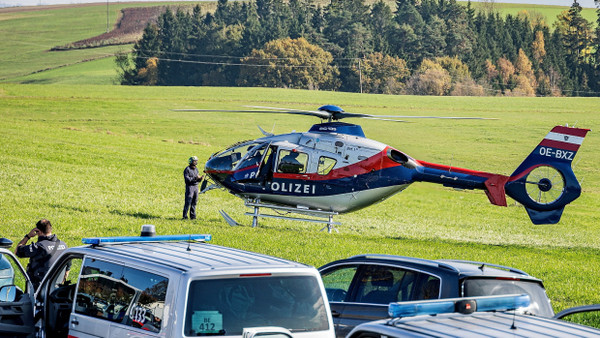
(334, 169)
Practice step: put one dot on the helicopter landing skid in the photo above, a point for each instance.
(330, 224)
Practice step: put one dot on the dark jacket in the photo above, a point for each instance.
(42, 254)
(191, 175)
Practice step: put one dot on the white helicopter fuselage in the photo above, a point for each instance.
(337, 172)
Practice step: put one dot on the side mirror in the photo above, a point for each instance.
(5, 243)
(266, 332)
(8, 293)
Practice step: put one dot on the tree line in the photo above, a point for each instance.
(422, 47)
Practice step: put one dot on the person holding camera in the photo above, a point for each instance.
(42, 253)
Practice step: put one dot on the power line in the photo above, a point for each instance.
(475, 86)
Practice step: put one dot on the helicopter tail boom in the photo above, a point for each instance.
(545, 183)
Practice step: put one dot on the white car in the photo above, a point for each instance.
(16, 296)
(487, 316)
(179, 286)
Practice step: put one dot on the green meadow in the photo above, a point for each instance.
(103, 160)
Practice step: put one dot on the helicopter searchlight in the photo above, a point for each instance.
(334, 169)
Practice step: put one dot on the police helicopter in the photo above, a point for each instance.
(334, 169)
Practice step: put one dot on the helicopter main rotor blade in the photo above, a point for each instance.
(438, 117)
(376, 118)
(331, 114)
(322, 115)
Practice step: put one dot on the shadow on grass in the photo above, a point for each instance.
(141, 215)
(68, 207)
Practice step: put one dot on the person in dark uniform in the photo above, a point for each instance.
(289, 163)
(43, 253)
(191, 177)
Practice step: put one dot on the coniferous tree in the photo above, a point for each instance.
(381, 24)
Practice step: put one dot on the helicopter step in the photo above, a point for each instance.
(328, 215)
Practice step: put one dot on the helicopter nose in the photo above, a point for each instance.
(217, 169)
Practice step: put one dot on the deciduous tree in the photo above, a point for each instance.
(289, 63)
(382, 74)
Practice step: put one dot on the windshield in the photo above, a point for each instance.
(540, 305)
(227, 306)
(228, 159)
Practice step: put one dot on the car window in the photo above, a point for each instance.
(121, 294)
(11, 274)
(337, 282)
(226, 306)
(385, 284)
(502, 286)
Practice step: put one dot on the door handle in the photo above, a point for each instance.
(335, 314)
(74, 321)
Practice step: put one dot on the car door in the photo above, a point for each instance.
(371, 290)
(56, 294)
(16, 298)
(115, 300)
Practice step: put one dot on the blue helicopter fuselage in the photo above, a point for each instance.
(339, 169)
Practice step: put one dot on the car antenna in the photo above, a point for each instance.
(513, 326)
(189, 241)
(482, 266)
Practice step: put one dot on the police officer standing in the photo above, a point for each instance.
(191, 177)
(43, 253)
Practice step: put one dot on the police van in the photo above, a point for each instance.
(178, 286)
(485, 316)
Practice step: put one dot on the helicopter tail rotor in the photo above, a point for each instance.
(545, 183)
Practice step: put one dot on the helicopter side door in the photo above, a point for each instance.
(251, 165)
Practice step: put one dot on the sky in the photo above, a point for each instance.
(7, 3)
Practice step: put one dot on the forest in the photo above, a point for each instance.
(417, 47)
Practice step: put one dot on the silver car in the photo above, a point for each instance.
(179, 286)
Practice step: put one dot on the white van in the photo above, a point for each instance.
(179, 286)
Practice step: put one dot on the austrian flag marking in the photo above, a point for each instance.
(565, 138)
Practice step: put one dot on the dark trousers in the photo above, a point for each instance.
(191, 198)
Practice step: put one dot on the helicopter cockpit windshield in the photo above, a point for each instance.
(253, 157)
(240, 156)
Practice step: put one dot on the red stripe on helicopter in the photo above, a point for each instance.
(525, 172)
(579, 132)
(456, 170)
(559, 145)
(376, 162)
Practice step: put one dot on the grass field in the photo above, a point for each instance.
(27, 36)
(103, 160)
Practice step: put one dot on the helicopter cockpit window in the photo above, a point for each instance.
(230, 158)
(292, 162)
(253, 156)
(325, 165)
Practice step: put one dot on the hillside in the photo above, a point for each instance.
(29, 33)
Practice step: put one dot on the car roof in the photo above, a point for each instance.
(459, 267)
(189, 256)
(479, 324)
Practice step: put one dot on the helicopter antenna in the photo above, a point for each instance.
(264, 132)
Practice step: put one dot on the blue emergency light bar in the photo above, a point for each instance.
(462, 305)
(134, 239)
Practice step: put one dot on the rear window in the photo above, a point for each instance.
(227, 306)
(502, 286)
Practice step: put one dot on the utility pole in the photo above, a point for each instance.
(360, 74)
(106, 16)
